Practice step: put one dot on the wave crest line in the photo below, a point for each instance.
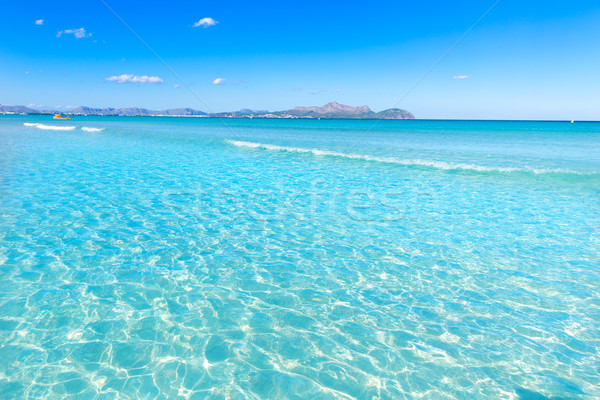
(441, 165)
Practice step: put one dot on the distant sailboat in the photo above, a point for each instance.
(58, 116)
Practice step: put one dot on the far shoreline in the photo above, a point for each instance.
(305, 118)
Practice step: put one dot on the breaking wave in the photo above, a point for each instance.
(442, 165)
(50, 127)
(61, 127)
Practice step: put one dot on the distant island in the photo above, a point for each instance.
(331, 110)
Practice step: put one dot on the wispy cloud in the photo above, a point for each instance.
(39, 22)
(313, 92)
(460, 77)
(219, 81)
(78, 33)
(130, 78)
(205, 23)
(176, 86)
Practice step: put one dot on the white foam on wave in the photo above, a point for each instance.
(88, 129)
(408, 162)
(50, 127)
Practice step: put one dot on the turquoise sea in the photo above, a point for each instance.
(192, 258)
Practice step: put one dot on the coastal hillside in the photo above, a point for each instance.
(332, 110)
(134, 112)
(17, 110)
(337, 110)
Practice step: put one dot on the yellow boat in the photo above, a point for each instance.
(58, 116)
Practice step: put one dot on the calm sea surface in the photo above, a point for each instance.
(196, 258)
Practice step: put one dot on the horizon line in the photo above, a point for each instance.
(316, 119)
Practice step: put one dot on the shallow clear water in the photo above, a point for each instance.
(199, 258)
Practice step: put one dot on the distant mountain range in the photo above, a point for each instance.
(21, 110)
(337, 110)
(134, 112)
(331, 110)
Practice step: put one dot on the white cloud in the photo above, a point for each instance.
(313, 92)
(39, 22)
(460, 77)
(78, 33)
(219, 81)
(205, 22)
(176, 86)
(130, 78)
(26, 72)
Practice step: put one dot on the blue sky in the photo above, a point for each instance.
(525, 60)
